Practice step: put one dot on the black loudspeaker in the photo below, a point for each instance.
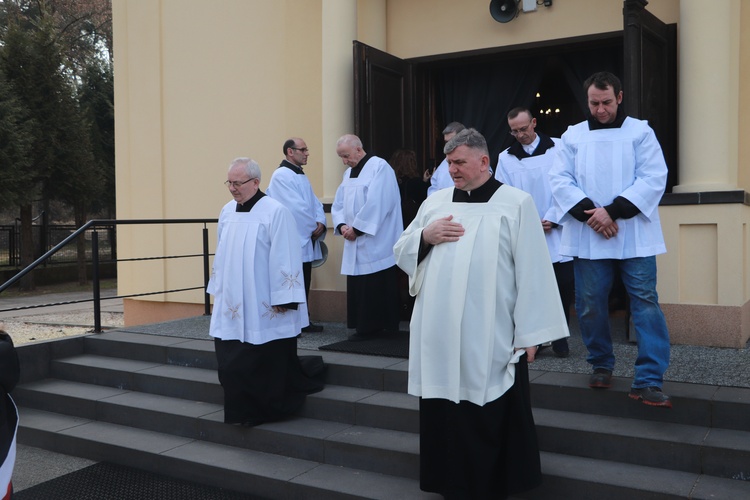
(503, 11)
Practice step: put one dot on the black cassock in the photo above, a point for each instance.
(477, 452)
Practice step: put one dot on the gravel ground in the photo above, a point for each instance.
(29, 329)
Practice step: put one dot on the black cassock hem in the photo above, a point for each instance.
(480, 452)
(373, 302)
(266, 382)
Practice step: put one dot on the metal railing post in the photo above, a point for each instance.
(206, 273)
(96, 262)
(95, 280)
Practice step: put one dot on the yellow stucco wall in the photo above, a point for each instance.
(424, 27)
(743, 99)
(199, 83)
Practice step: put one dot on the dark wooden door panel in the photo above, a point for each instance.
(383, 107)
(650, 79)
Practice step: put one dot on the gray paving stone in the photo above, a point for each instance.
(328, 482)
(125, 437)
(377, 450)
(709, 487)
(48, 421)
(71, 398)
(389, 410)
(654, 444)
(591, 478)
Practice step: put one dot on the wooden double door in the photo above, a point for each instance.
(406, 103)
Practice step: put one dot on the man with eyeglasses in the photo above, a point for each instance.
(366, 211)
(525, 165)
(441, 178)
(608, 180)
(290, 186)
(259, 305)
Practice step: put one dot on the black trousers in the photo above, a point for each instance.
(565, 276)
(307, 274)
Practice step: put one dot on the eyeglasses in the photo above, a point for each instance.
(304, 150)
(520, 131)
(237, 184)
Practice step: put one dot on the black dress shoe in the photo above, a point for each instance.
(312, 328)
(541, 347)
(601, 379)
(560, 348)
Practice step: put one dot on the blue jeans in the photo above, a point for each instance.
(593, 279)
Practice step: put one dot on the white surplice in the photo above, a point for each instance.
(478, 298)
(257, 265)
(294, 191)
(531, 175)
(370, 203)
(601, 165)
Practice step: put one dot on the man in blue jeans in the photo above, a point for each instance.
(608, 179)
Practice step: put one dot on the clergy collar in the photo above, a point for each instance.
(594, 124)
(545, 143)
(356, 170)
(482, 194)
(249, 204)
(291, 166)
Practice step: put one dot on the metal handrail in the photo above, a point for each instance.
(95, 261)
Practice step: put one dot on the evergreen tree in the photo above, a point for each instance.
(61, 163)
(96, 98)
(15, 148)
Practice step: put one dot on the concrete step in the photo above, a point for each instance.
(369, 372)
(374, 449)
(693, 404)
(154, 348)
(274, 476)
(352, 405)
(385, 426)
(364, 425)
(696, 449)
(580, 478)
(264, 474)
(198, 384)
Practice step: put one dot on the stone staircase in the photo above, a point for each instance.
(154, 402)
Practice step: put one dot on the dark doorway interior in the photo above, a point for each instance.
(479, 91)
(555, 106)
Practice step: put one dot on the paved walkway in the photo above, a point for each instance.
(69, 302)
(692, 364)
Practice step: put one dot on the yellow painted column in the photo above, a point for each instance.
(339, 30)
(709, 91)
(137, 28)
